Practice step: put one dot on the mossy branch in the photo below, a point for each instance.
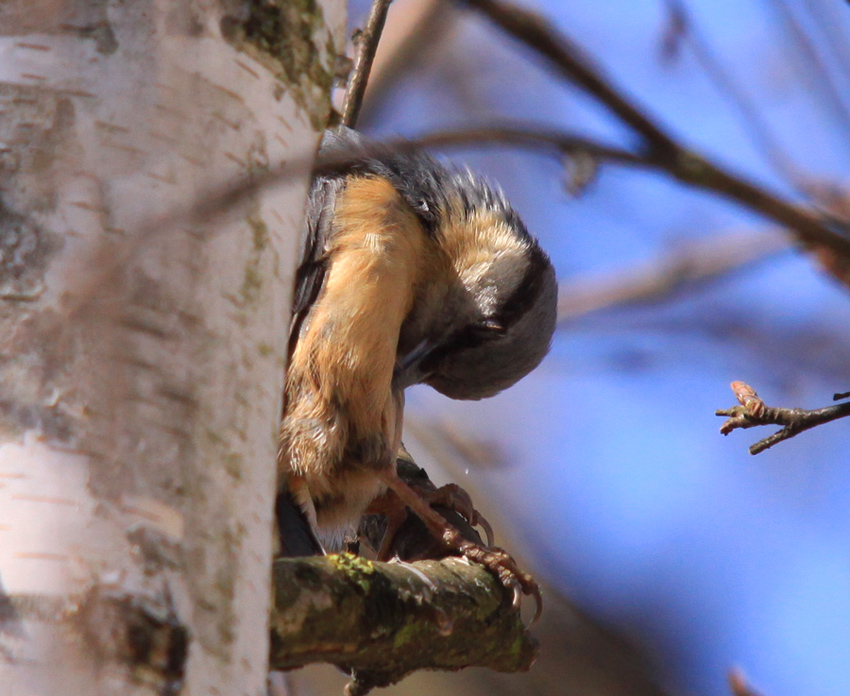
(386, 620)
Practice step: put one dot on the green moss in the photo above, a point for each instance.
(407, 634)
(518, 646)
(287, 37)
(356, 569)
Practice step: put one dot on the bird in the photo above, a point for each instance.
(413, 272)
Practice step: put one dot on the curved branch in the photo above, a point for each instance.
(660, 150)
(385, 620)
(527, 136)
(809, 227)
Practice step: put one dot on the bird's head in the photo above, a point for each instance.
(495, 323)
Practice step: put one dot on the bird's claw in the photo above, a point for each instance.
(505, 568)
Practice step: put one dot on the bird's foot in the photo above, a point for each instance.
(501, 564)
(498, 561)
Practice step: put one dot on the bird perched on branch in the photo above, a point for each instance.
(412, 272)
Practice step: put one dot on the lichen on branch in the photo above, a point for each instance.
(387, 620)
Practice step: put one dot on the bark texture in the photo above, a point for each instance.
(389, 619)
(141, 351)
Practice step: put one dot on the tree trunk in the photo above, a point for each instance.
(141, 350)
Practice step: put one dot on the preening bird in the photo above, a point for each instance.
(412, 272)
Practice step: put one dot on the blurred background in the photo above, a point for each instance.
(669, 553)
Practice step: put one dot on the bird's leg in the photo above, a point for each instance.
(395, 512)
(453, 497)
(450, 497)
(496, 560)
(301, 493)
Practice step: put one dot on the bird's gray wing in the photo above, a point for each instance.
(296, 537)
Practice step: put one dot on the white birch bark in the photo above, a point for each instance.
(140, 392)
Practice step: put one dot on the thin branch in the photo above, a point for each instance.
(367, 45)
(819, 75)
(660, 278)
(808, 225)
(570, 61)
(527, 136)
(452, 448)
(738, 684)
(231, 194)
(753, 412)
(826, 15)
(661, 151)
(386, 620)
(687, 167)
(756, 126)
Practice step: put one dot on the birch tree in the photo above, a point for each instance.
(141, 348)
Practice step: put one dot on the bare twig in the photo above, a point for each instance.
(228, 196)
(546, 140)
(753, 412)
(454, 449)
(367, 45)
(659, 150)
(809, 227)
